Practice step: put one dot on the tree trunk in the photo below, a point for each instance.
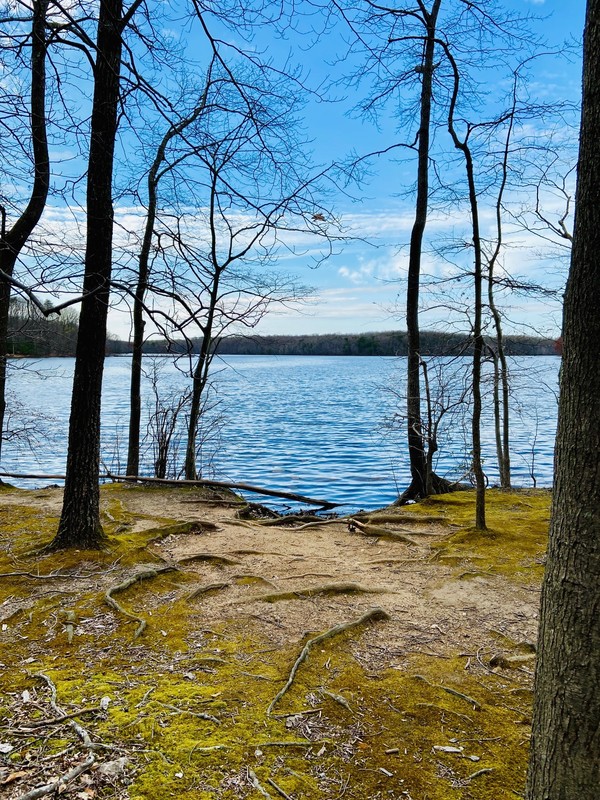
(478, 345)
(80, 520)
(13, 241)
(416, 445)
(565, 748)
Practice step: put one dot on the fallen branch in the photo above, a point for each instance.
(59, 784)
(372, 614)
(139, 576)
(315, 591)
(470, 700)
(247, 487)
(299, 498)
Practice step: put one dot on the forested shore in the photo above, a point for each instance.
(36, 336)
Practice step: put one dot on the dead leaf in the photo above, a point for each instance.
(14, 776)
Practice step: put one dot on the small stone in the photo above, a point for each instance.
(113, 769)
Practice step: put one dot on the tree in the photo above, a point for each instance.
(79, 524)
(13, 239)
(565, 747)
(160, 167)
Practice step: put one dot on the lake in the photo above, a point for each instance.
(318, 426)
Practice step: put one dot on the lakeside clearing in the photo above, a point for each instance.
(208, 655)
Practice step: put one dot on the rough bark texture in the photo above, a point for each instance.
(565, 751)
(416, 446)
(13, 240)
(80, 520)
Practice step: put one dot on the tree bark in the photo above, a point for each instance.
(565, 748)
(13, 241)
(80, 520)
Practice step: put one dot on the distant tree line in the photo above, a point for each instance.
(384, 343)
(32, 334)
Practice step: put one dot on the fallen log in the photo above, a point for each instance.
(245, 487)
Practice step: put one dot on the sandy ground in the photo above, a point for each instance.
(429, 604)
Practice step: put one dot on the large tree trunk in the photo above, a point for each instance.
(80, 520)
(13, 240)
(416, 444)
(565, 749)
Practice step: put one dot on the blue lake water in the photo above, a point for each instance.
(318, 426)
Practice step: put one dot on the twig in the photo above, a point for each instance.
(479, 772)
(57, 786)
(139, 576)
(372, 614)
(278, 789)
(256, 784)
(470, 700)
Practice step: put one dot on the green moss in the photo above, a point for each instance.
(514, 544)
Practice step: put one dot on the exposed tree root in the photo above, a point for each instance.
(198, 714)
(139, 576)
(278, 789)
(250, 577)
(314, 591)
(206, 589)
(309, 575)
(356, 526)
(214, 557)
(282, 521)
(439, 485)
(373, 614)
(400, 518)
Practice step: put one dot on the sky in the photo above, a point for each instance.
(360, 287)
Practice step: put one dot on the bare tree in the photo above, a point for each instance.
(161, 166)
(13, 238)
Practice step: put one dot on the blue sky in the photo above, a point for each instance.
(361, 287)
